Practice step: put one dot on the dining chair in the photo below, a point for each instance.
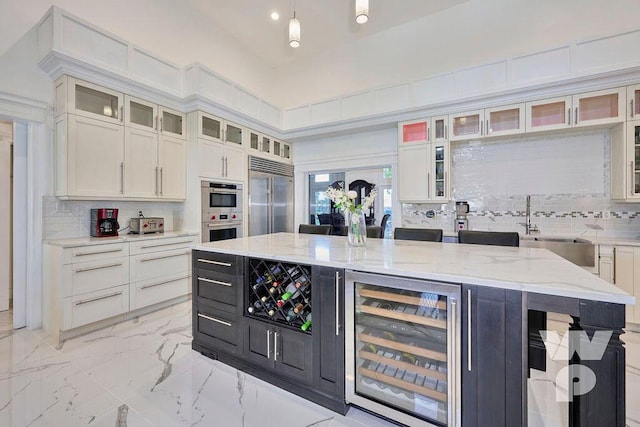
(314, 229)
(495, 238)
(423, 234)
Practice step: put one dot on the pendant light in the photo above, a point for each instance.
(294, 29)
(362, 11)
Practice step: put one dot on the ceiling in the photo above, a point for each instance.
(326, 24)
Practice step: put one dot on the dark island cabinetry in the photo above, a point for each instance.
(279, 321)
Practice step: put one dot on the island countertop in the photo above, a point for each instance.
(524, 269)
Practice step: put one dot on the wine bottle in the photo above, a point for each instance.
(298, 308)
(293, 272)
(291, 315)
(251, 310)
(307, 323)
(259, 282)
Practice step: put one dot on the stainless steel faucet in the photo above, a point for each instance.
(527, 218)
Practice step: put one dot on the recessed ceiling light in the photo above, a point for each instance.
(275, 16)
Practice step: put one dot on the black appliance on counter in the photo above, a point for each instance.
(104, 222)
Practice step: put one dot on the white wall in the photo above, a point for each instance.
(6, 139)
(470, 33)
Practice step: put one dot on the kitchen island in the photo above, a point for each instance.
(471, 300)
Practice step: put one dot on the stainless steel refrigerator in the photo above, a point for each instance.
(270, 197)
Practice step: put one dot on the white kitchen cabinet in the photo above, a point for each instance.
(504, 120)
(215, 129)
(88, 100)
(96, 284)
(625, 162)
(467, 125)
(633, 102)
(89, 158)
(141, 174)
(413, 132)
(413, 173)
(439, 129)
(221, 152)
(584, 109)
(438, 181)
(627, 277)
(268, 147)
(606, 265)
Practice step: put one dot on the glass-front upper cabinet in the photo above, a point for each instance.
(413, 132)
(277, 150)
(439, 129)
(233, 133)
(254, 140)
(210, 127)
(286, 151)
(88, 100)
(265, 144)
(466, 125)
(140, 114)
(633, 159)
(506, 120)
(548, 114)
(633, 99)
(439, 183)
(601, 107)
(171, 122)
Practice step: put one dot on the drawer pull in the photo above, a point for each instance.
(163, 283)
(215, 282)
(164, 257)
(82, 270)
(222, 322)
(206, 261)
(165, 244)
(98, 253)
(98, 298)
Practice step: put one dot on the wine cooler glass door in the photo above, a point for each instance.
(405, 338)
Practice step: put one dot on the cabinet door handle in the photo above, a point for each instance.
(632, 109)
(97, 253)
(98, 298)
(268, 344)
(206, 261)
(215, 282)
(157, 180)
(446, 133)
(454, 355)
(160, 123)
(168, 244)
(569, 116)
(213, 319)
(468, 330)
(481, 128)
(163, 283)
(165, 257)
(614, 265)
(122, 178)
(122, 113)
(337, 303)
(446, 185)
(428, 185)
(575, 119)
(161, 177)
(632, 181)
(275, 346)
(222, 160)
(82, 270)
(226, 166)
(157, 119)
(429, 134)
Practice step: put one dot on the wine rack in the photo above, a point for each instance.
(280, 292)
(401, 342)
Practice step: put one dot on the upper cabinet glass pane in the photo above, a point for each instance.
(414, 132)
(440, 130)
(254, 140)
(171, 123)
(266, 145)
(141, 114)
(505, 120)
(211, 127)
(286, 151)
(598, 107)
(234, 134)
(96, 102)
(549, 114)
(276, 148)
(467, 125)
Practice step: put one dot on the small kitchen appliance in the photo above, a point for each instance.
(104, 222)
(144, 225)
(461, 222)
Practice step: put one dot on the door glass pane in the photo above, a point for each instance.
(504, 120)
(467, 125)
(319, 205)
(211, 127)
(171, 123)
(266, 145)
(234, 134)
(439, 129)
(414, 132)
(401, 349)
(276, 148)
(598, 107)
(96, 102)
(440, 188)
(141, 114)
(549, 114)
(253, 140)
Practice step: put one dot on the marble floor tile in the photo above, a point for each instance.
(142, 372)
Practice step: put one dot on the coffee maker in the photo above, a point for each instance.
(461, 222)
(104, 222)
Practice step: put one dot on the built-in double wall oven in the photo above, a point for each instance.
(221, 211)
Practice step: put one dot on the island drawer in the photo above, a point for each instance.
(223, 263)
(211, 286)
(216, 329)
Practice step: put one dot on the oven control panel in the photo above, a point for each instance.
(223, 217)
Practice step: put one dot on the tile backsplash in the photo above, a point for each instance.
(66, 219)
(567, 176)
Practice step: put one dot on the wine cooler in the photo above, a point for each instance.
(402, 357)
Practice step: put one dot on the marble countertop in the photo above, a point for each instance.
(524, 269)
(123, 238)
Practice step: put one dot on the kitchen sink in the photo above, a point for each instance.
(579, 251)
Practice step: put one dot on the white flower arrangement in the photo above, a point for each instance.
(345, 200)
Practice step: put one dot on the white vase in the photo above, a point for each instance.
(356, 228)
